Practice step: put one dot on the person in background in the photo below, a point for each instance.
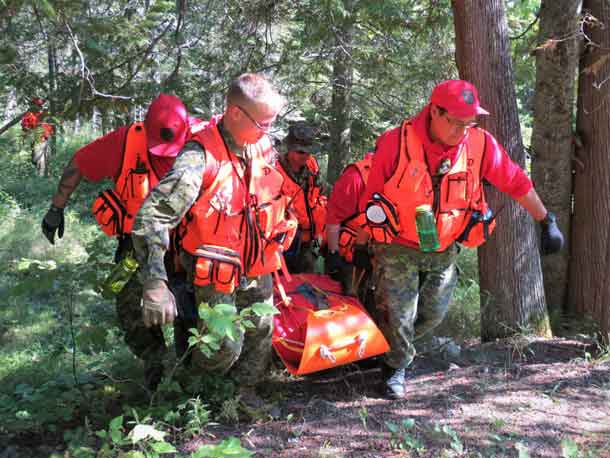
(37, 133)
(304, 188)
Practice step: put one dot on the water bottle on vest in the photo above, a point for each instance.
(426, 228)
(119, 277)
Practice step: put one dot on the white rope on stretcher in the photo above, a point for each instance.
(362, 346)
(326, 353)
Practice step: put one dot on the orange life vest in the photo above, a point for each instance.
(238, 226)
(353, 224)
(455, 198)
(309, 204)
(115, 209)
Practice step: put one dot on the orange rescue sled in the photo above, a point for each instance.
(319, 328)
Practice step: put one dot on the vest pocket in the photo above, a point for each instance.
(136, 184)
(457, 192)
(110, 213)
(217, 266)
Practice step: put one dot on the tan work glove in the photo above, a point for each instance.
(158, 304)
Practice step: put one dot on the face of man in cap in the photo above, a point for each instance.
(446, 129)
(454, 107)
(300, 144)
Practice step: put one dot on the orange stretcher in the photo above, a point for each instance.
(318, 328)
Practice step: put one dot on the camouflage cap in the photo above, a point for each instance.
(302, 137)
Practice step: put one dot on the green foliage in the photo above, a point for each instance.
(403, 436)
(227, 448)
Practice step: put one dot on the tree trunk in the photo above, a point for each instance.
(589, 262)
(552, 136)
(512, 293)
(51, 147)
(341, 105)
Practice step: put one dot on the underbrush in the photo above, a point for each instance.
(68, 383)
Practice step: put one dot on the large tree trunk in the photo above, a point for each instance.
(556, 63)
(512, 293)
(341, 105)
(590, 264)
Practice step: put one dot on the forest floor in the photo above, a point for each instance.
(522, 397)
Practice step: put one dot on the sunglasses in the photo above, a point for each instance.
(265, 127)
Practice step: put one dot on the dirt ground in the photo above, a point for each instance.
(522, 397)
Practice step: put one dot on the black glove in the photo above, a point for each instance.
(333, 262)
(551, 238)
(361, 258)
(53, 221)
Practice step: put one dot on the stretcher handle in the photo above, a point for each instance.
(326, 352)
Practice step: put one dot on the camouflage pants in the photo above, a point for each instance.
(412, 295)
(146, 343)
(247, 357)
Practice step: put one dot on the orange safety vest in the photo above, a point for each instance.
(455, 198)
(354, 223)
(310, 209)
(238, 226)
(115, 209)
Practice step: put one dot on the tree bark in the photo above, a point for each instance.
(589, 263)
(341, 104)
(512, 293)
(552, 136)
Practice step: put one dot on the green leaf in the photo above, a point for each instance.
(408, 423)
(569, 449)
(225, 309)
(163, 447)
(116, 423)
(261, 309)
(134, 454)
(47, 9)
(221, 326)
(248, 324)
(393, 427)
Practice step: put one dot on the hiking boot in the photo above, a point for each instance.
(393, 382)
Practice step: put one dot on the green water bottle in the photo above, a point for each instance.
(119, 277)
(426, 228)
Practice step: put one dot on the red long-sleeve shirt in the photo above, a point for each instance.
(103, 158)
(497, 167)
(346, 193)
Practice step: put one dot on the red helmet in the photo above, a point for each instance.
(166, 125)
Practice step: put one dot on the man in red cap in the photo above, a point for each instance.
(430, 170)
(135, 157)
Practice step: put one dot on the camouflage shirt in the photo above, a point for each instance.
(168, 203)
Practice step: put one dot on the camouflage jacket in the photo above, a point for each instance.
(168, 203)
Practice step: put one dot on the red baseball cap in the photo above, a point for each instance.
(166, 125)
(460, 98)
